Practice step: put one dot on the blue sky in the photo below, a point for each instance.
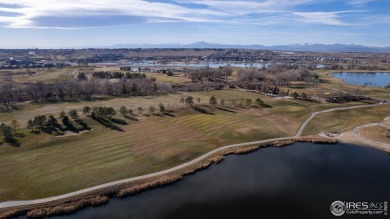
(75, 23)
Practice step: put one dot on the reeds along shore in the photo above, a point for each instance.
(71, 206)
(67, 208)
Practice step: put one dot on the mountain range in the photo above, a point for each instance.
(291, 47)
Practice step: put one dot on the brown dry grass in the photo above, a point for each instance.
(9, 214)
(377, 133)
(67, 208)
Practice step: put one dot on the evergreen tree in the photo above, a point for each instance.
(86, 110)
(162, 107)
(213, 100)
(73, 114)
(123, 110)
(152, 109)
(30, 125)
(189, 101)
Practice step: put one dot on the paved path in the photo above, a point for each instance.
(360, 139)
(312, 115)
(299, 133)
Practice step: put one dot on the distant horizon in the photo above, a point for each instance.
(208, 45)
(88, 23)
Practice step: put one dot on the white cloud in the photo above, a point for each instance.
(327, 18)
(359, 3)
(248, 6)
(32, 10)
(93, 13)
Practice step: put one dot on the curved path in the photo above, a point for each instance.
(355, 137)
(189, 163)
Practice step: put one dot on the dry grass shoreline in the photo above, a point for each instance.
(350, 137)
(102, 196)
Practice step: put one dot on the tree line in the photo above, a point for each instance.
(11, 92)
(118, 75)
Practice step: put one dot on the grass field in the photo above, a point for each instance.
(45, 74)
(377, 133)
(344, 120)
(45, 165)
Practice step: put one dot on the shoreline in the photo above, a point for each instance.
(354, 137)
(101, 196)
(350, 138)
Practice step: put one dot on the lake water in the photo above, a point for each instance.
(376, 79)
(298, 181)
(188, 65)
(156, 65)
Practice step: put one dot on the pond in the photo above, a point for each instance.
(298, 181)
(375, 79)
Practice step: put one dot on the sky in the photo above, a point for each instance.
(94, 23)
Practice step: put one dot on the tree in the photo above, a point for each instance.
(86, 110)
(162, 107)
(140, 110)
(14, 125)
(222, 102)
(155, 88)
(65, 120)
(62, 114)
(304, 95)
(30, 125)
(110, 112)
(189, 101)
(40, 121)
(152, 109)
(123, 110)
(134, 89)
(6, 131)
(294, 94)
(198, 100)
(259, 102)
(227, 71)
(73, 114)
(82, 76)
(52, 122)
(182, 100)
(213, 100)
(248, 102)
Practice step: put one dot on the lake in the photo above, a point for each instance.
(298, 181)
(155, 65)
(375, 79)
